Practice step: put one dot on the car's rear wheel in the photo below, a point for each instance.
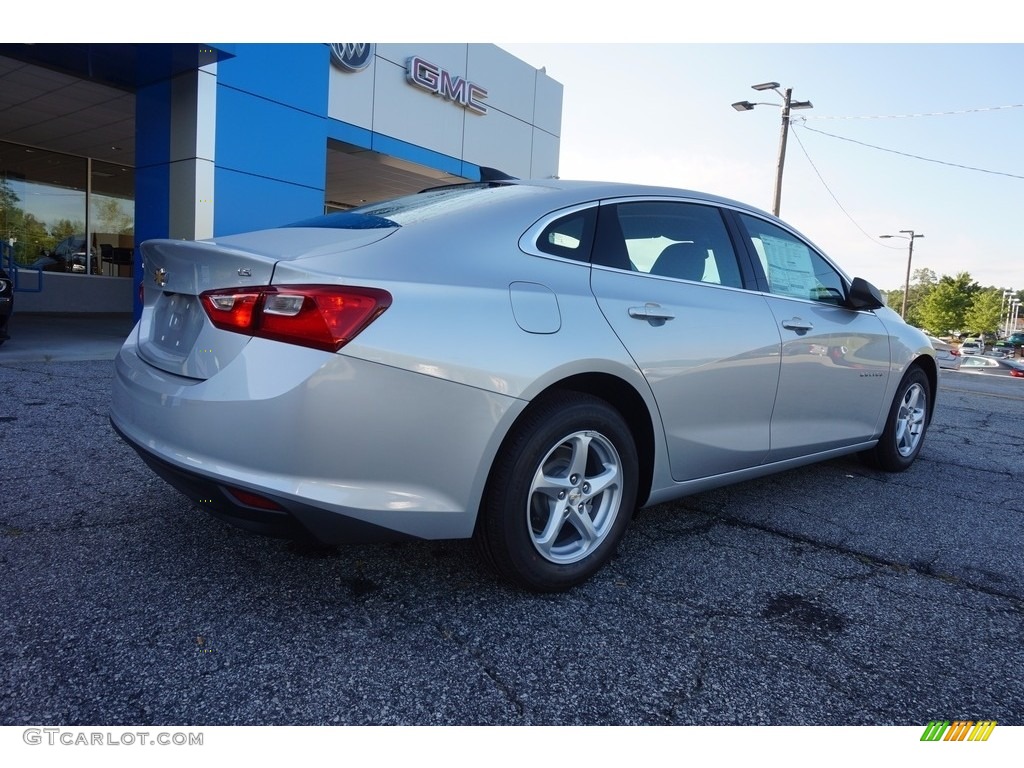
(905, 425)
(560, 495)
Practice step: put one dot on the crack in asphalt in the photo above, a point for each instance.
(507, 691)
(921, 568)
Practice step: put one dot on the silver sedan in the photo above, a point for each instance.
(524, 363)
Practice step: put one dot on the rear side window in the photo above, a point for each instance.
(570, 236)
(684, 241)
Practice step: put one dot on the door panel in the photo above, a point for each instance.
(835, 361)
(833, 379)
(711, 356)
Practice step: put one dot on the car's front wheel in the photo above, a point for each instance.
(561, 493)
(905, 425)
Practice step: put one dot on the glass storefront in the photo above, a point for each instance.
(62, 213)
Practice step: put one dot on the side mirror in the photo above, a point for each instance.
(863, 295)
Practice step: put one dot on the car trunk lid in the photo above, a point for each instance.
(175, 333)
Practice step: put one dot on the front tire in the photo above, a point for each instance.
(561, 493)
(905, 425)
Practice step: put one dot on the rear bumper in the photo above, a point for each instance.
(217, 499)
(351, 450)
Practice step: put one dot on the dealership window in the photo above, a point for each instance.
(63, 213)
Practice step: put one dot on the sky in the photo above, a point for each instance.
(660, 113)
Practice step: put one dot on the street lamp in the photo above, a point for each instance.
(1006, 300)
(906, 234)
(787, 104)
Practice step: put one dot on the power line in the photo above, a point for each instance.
(914, 114)
(836, 199)
(916, 157)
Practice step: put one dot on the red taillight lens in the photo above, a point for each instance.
(955, 352)
(1018, 374)
(320, 316)
(251, 499)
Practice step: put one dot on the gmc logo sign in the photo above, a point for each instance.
(441, 82)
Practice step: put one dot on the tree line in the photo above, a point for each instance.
(950, 305)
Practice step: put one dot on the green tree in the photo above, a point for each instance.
(32, 238)
(11, 214)
(113, 216)
(984, 313)
(923, 281)
(945, 307)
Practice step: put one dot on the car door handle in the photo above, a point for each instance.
(798, 325)
(651, 311)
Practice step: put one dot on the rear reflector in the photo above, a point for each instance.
(251, 499)
(320, 316)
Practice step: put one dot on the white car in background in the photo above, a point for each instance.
(946, 355)
(972, 347)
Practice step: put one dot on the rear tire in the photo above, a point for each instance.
(905, 425)
(561, 493)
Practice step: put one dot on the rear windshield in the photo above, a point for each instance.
(403, 211)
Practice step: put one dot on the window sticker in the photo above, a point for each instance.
(789, 267)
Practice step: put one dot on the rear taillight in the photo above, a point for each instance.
(320, 316)
(955, 352)
(1018, 374)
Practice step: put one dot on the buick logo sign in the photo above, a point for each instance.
(351, 57)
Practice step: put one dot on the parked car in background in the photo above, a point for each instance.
(6, 304)
(946, 355)
(1005, 348)
(972, 347)
(995, 366)
(523, 363)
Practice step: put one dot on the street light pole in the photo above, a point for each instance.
(777, 197)
(787, 105)
(906, 234)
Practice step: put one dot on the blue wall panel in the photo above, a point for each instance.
(152, 172)
(246, 202)
(265, 138)
(153, 124)
(350, 134)
(288, 73)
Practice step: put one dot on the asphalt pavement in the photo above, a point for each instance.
(829, 595)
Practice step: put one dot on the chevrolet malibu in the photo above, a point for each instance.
(523, 363)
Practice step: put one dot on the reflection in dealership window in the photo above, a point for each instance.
(45, 219)
(792, 267)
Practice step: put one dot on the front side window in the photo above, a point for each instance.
(684, 241)
(791, 266)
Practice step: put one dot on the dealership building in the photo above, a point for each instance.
(103, 146)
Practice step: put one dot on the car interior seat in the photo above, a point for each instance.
(685, 261)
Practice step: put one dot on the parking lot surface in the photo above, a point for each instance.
(829, 595)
